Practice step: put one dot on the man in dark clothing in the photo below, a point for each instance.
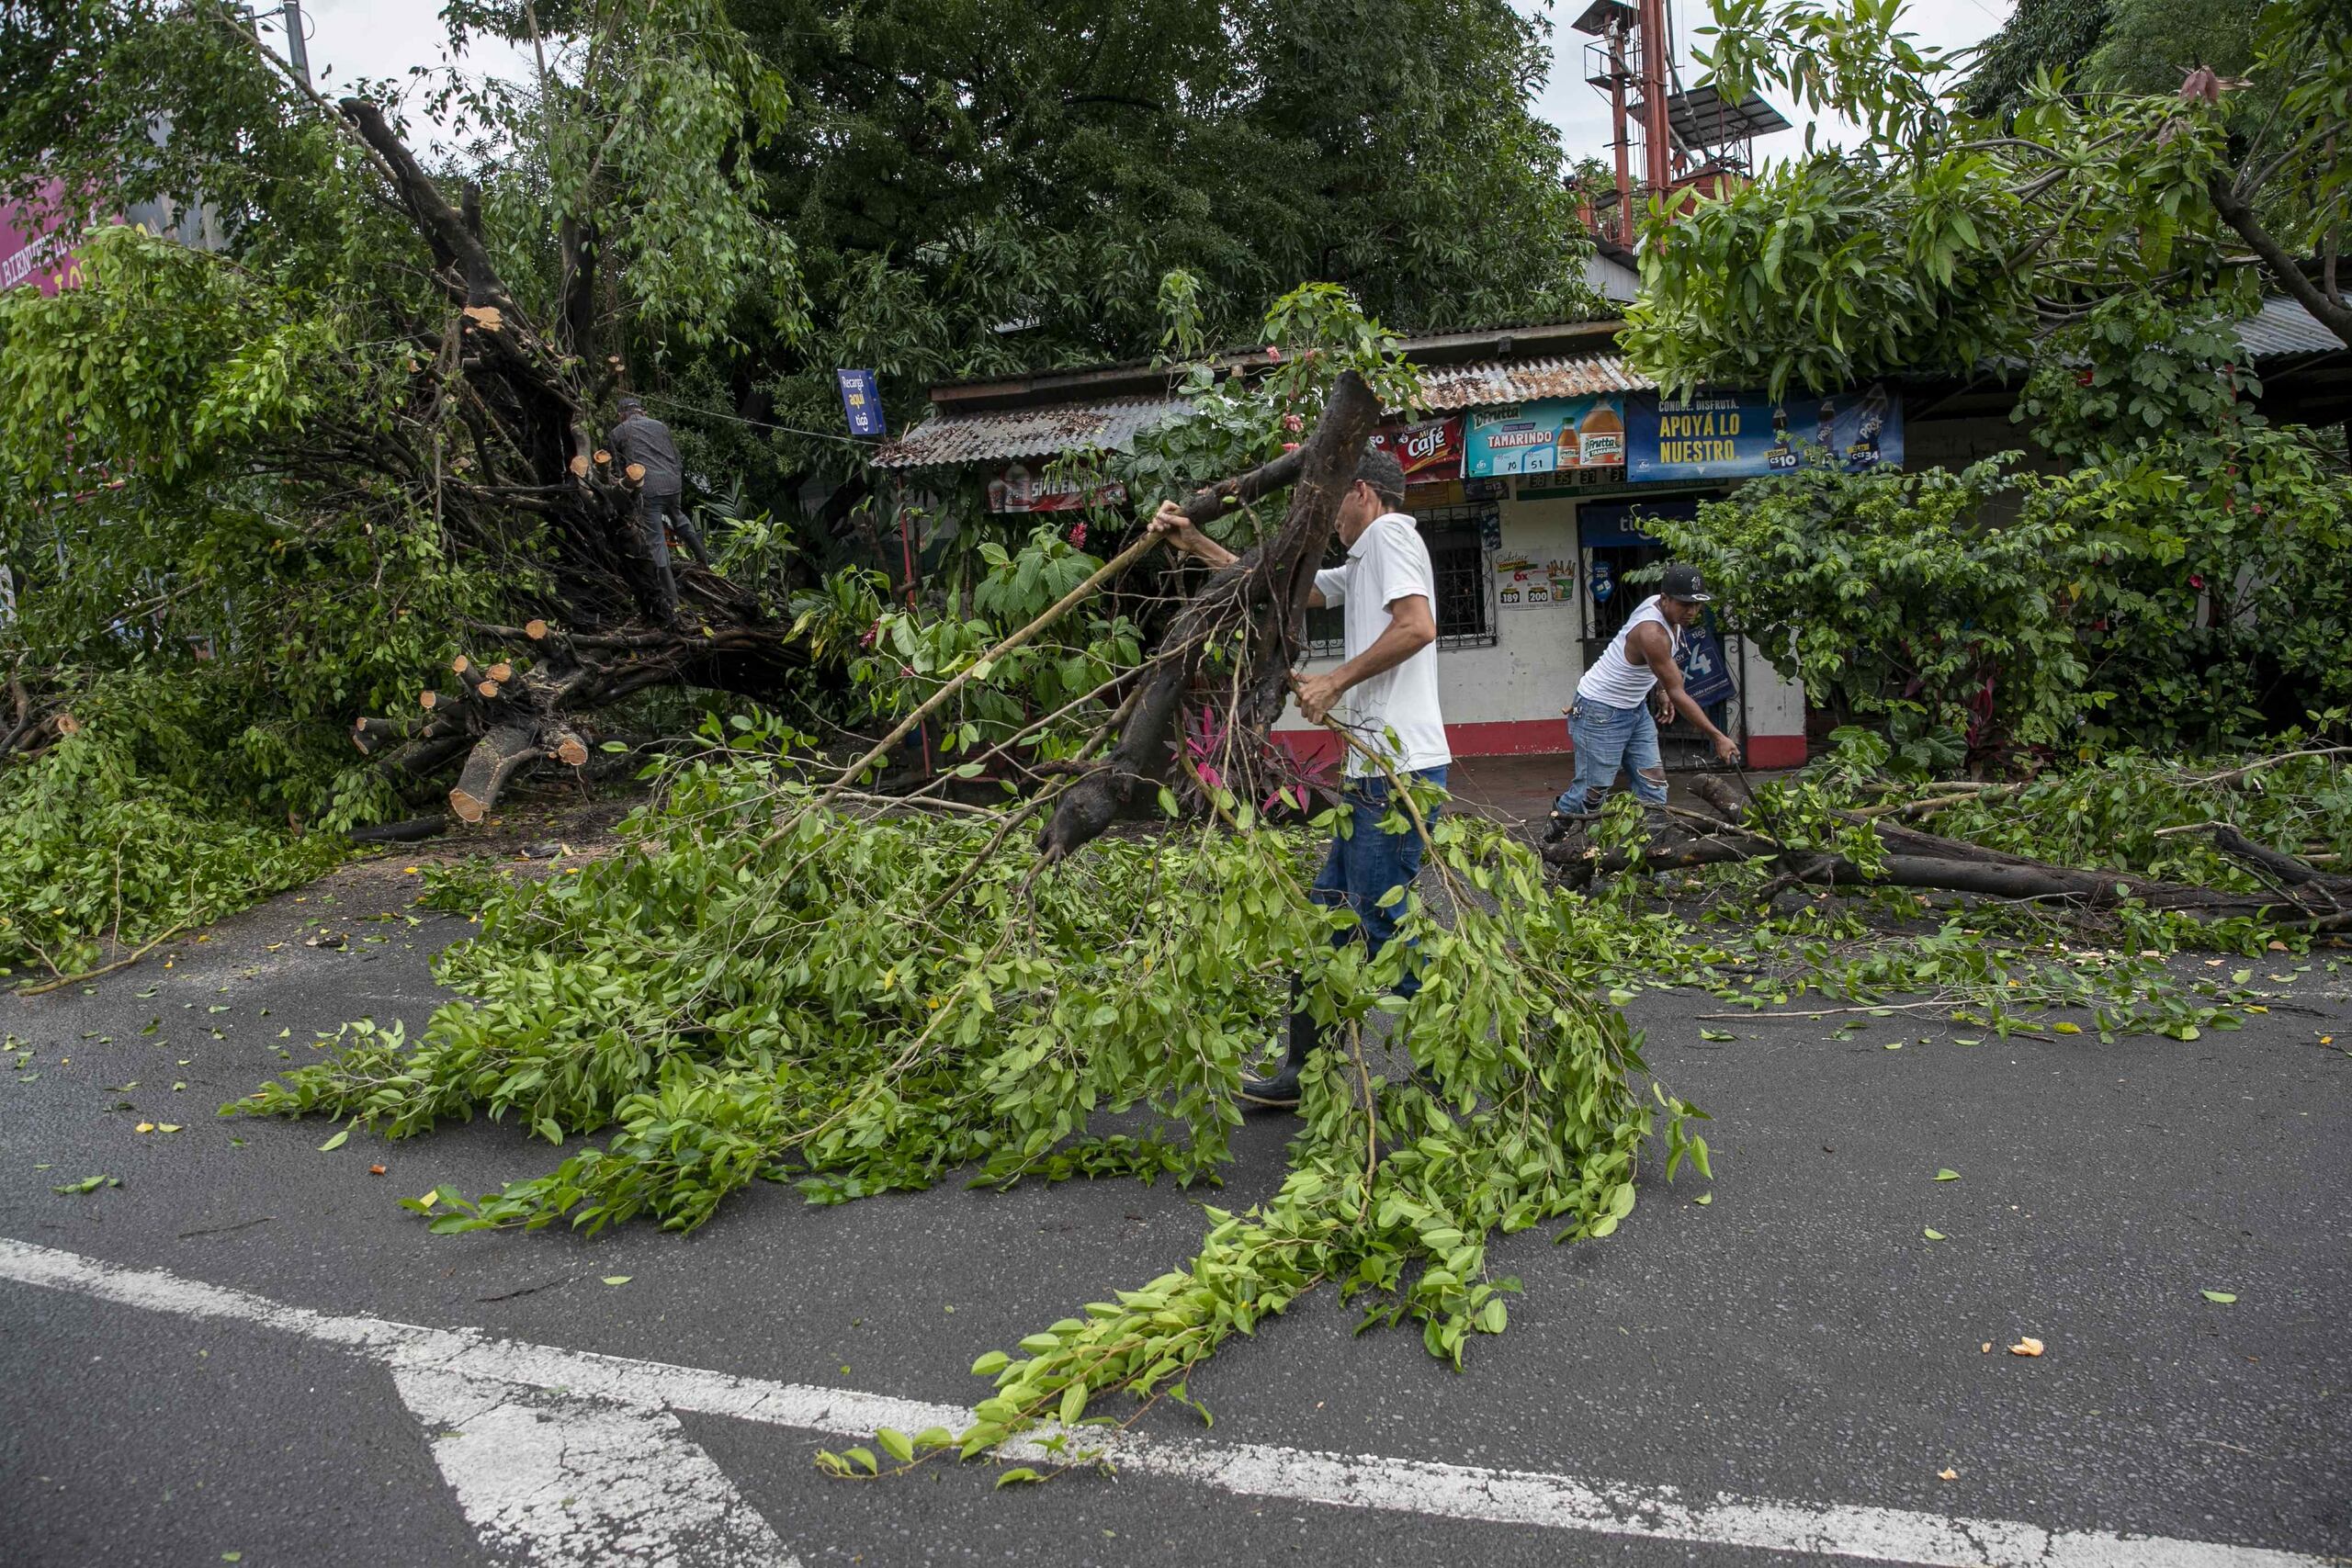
(641, 440)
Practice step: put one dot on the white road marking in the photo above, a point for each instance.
(550, 1480)
(1352, 1480)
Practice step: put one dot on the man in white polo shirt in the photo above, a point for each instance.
(1384, 694)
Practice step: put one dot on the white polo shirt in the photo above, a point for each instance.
(1387, 563)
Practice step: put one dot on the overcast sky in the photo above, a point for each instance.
(384, 38)
(1582, 113)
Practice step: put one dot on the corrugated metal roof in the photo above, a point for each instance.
(1450, 388)
(2282, 326)
(1060, 427)
(1027, 432)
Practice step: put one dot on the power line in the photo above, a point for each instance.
(755, 423)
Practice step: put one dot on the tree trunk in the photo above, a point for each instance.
(1264, 592)
(2314, 901)
(524, 398)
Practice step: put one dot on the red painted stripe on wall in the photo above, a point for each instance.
(1528, 737)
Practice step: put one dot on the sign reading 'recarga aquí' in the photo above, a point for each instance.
(1720, 436)
(1545, 437)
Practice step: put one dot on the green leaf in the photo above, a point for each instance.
(2224, 1297)
(618, 1279)
(1946, 1174)
(1073, 1403)
(895, 1443)
(1932, 1234)
(1703, 1199)
(1017, 1475)
(988, 1365)
(336, 1142)
(864, 1458)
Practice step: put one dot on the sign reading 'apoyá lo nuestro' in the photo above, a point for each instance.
(1723, 435)
(860, 401)
(1431, 451)
(1545, 437)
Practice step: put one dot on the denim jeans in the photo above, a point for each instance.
(1604, 738)
(1366, 862)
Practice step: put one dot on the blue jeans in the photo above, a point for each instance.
(1604, 738)
(1366, 862)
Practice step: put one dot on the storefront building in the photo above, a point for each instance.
(1530, 464)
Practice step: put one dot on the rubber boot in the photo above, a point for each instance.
(1280, 1092)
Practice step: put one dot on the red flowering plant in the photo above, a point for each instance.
(1274, 773)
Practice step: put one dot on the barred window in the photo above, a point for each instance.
(1465, 583)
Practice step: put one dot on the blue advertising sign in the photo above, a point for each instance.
(1706, 673)
(860, 401)
(1726, 435)
(1545, 437)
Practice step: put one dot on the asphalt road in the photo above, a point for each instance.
(1780, 1374)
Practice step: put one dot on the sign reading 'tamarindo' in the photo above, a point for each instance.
(1721, 435)
(1545, 437)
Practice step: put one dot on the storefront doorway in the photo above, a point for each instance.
(1611, 547)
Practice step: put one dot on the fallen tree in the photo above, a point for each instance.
(527, 403)
(1746, 828)
(1256, 606)
(359, 441)
(785, 974)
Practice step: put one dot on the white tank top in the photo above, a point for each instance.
(1615, 680)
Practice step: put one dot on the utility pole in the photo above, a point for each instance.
(297, 45)
(1617, 74)
(1654, 131)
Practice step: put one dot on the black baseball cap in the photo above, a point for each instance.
(1684, 582)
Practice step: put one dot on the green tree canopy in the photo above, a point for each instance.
(1946, 241)
(979, 188)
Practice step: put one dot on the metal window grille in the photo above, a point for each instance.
(1465, 583)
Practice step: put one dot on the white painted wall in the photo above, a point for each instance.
(1531, 673)
(1774, 706)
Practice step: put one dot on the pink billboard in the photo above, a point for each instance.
(30, 251)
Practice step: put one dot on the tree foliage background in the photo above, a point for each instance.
(2085, 209)
(247, 485)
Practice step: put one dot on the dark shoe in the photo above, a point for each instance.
(1564, 820)
(1279, 1092)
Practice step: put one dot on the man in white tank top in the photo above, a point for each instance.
(1610, 723)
